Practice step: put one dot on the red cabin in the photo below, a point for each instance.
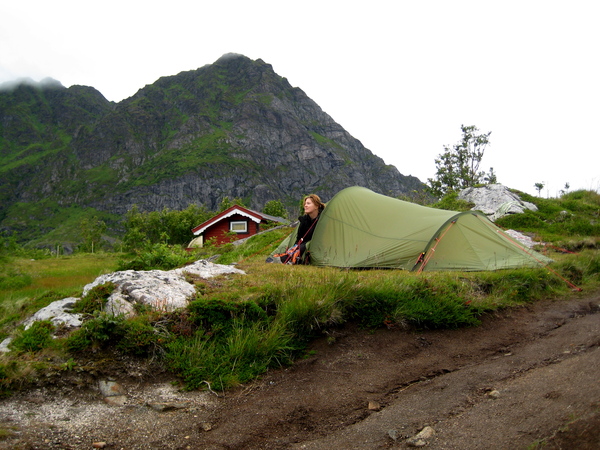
(232, 224)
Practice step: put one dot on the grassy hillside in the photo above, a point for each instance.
(239, 326)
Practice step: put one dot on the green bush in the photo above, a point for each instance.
(526, 221)
(140, 337)
(14, 280)
(99, 332)
(37, 337)
(238, 356)
(7, 373)
(451, 202)
(216, 315)
(159, 256)
(95, 299)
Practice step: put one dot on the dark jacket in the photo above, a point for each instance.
(304, 228)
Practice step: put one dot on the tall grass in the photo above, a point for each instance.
(27, 285)
(237, 327)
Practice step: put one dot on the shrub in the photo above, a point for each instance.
(14, 280)
(96, 333)
(95, 299)
(140, 337)
(159, 256)
(215, 315)
(238, 356)
(37, 337)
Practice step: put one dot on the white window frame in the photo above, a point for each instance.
(238, 222)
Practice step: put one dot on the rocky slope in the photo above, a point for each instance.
(233, 128)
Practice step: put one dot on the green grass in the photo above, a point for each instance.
(30, 284)
(239, 326)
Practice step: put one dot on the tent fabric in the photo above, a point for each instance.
(362, 229)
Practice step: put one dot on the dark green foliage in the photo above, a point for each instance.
(416, 301)
(216, 315)
(527, 221)
(573, 214)
(158, 256)
(451, 202)
(137, 336)
(584, 269)
(458, 167)
(162, 227)
(275, 208)
(95, 299)
(99, 332)
(140, 337)
(241, 354)
(7, 371)
(37, 337)
(14, 280)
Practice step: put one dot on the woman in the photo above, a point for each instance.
(306, 227)
(313, 206)
(312, 209)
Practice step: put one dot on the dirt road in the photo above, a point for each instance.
(526, 375)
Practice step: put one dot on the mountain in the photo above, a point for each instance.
(232, 128)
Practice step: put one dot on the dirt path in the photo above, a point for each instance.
(523, 376)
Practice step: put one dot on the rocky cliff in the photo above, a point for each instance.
(233, 128)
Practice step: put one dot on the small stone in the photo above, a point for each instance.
(425, 433)
(374, 406)
(393, 434)
(99, 444)
(205, 426)
(494, 394)
(414, 442)
(116, 400)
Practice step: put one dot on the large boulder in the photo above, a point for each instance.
(159, 289)
(495, 200)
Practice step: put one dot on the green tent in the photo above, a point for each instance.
(362, 229)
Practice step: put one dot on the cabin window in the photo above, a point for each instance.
(238, 227)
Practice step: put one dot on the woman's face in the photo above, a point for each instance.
(309, 206)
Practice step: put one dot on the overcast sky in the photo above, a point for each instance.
(400, 76)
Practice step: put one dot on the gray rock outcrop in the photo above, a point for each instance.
(495, 200)
(163, 290)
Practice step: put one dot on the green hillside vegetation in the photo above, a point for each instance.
(187, 138)
(237, 327)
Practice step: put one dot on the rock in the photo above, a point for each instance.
(425, 433)
(521, 238)
(420, 439)
(116, 400)
(206, 269)
(495, 201)
(494, 394)
(169, 406)
(110, 388)
(374, 406)
(206, 426)
(58, 313)
(4, 345)
(99, 445)
(159, 289)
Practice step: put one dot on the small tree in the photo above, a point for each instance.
(227, 203)
(91, 231)
(458, 167)
(539, 187)
(275, 208)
